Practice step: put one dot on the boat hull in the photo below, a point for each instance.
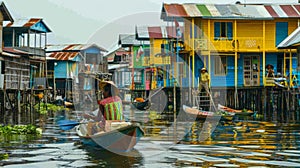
(201, 114)
(236, 112)
(118, 140)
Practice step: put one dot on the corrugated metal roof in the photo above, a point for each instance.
(290, 10)
(291, 40)
(29, 23)
(117, 66)
(191, 10)
(234, 11)
(71, 47)
(157, 32)
(24, 22)
(63, 55)
(128, 40)
(142, 32)
(175, 10)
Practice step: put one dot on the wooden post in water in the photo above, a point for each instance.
(174, 114)
(19, 99)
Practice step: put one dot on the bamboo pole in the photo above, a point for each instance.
(291, 70)
(264, 53)
(19, 99)
(175, 111)
(235, 65)
(193, 53)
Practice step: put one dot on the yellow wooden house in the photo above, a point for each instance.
(237, 43)
(160, 65)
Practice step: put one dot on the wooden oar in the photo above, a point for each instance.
(67, 124)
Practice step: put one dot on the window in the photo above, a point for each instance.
(223, 30)
(137, 77)
(220, 65)
(148, 75)
(126, 78)
(92, 58)
(146, 52)
(162, 49)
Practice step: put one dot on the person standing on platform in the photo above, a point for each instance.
(204, 80)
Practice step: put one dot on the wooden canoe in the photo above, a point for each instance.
(122, 137)
(237, 112)
(201, 114)
(141, 105)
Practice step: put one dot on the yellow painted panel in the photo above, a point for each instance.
(249, 36)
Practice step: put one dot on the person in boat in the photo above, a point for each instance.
(139, 99)
(110, 108)
(204, 80)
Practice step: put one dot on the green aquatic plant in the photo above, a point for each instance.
(3, 156)
(20, 129)
(153, 115)
(222, 113)
(43, 108)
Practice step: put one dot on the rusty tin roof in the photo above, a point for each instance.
(231, 11)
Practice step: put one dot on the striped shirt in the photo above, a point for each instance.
(113, 109)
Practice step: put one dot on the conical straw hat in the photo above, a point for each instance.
(114, 88)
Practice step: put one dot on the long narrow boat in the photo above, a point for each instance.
(141, 105)
(201, 114)
(237, 112)
(121, 137)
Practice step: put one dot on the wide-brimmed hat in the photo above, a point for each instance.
(203, 69)
(114, 88)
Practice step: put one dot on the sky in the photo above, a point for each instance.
(99, 21)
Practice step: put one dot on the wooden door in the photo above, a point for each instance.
(251, 71)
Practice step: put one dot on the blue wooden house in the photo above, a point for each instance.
(67, 62)
(27, 39)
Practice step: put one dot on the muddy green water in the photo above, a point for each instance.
(240, 143)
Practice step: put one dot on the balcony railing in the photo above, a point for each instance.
(32, 50)
(269, 81)
(230, 45)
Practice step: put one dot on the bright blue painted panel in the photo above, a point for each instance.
(198, 65)
(40, 26)
(92, 50)
(240, 81)
(77, 58)
(60, 70)
(223, 80)
(272, 59)
(281, 31)
(230, 71)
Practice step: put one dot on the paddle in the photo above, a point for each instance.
(67, 124)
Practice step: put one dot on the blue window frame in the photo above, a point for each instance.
(223, 30)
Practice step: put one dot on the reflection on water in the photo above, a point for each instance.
(230, 144)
